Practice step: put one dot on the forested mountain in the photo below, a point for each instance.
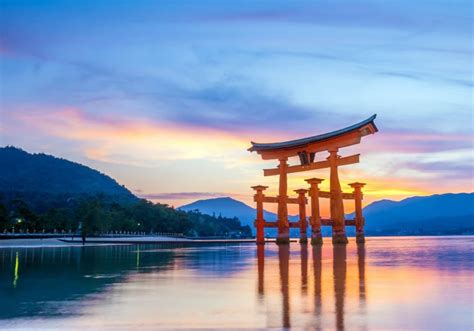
(45, 174)
(41, 192)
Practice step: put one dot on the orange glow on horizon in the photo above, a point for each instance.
(142, 143)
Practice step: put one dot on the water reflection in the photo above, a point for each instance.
(86, 272)
(80, 271)
(304, 269)
(284, 258)
(261, 269)
(317, 267)
(15, 273)
(339, 275)
(362, 286)
(388, 283)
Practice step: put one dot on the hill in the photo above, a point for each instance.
(436, 214)
(228, 207)
(32, 176)
(40, 192)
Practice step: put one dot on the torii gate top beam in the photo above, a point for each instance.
(348, 136)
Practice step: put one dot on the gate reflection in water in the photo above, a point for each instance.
(339, 272)
(390, 283)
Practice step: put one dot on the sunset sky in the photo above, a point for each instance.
(165, 96)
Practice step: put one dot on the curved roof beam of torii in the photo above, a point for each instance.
(350, 135)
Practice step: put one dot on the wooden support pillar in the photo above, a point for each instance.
(283, 226)
(359, 219)
(316, 237)
(259, 222)
(337, 207)
(302, 212)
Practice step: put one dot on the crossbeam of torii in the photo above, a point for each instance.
(306, 149)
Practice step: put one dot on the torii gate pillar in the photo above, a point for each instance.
(337, 207)
(259, 222)
(302, 212)
(359, 219)
(283, 226)
(316, 237)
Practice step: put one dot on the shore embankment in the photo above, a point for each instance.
(77, 241)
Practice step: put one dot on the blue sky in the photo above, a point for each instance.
(165, 96)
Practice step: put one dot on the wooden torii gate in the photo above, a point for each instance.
(306, 149)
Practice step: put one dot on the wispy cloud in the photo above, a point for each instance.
(178, 91)
(105, 137)
(184, 195)
(411, 142)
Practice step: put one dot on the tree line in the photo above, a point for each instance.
(99, 214)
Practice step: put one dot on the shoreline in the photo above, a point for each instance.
(77, 242)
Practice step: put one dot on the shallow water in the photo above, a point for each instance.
(409, 283)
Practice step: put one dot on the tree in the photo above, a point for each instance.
(4, 221)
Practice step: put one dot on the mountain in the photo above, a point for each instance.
(227, 207)
(41, 177)
(436, 214)
(40, 192)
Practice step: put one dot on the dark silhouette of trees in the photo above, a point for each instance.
(93, 215)
(41, 192)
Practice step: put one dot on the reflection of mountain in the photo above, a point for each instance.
(217, 260)
(60, 277)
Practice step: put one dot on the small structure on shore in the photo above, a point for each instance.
(305, 149)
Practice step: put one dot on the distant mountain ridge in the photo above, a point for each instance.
(45, 181)
(227, 207)
(26, 174)
(449, 213)
(437, 214)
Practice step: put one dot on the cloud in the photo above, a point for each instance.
(128, 139)
(236, 108)
(445, 170)
(413, 142)
(169, 85)
(184, 195)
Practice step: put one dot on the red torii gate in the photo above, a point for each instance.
(306, 149)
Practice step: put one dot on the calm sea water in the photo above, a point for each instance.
(409, 283)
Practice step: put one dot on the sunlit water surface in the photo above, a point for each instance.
(409, 283)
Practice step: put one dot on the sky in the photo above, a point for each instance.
(165, 96)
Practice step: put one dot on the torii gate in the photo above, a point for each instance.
(306, 149)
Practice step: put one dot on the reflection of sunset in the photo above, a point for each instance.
(343, 284)
(391, 283)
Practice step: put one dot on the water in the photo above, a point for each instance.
(409, 283)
